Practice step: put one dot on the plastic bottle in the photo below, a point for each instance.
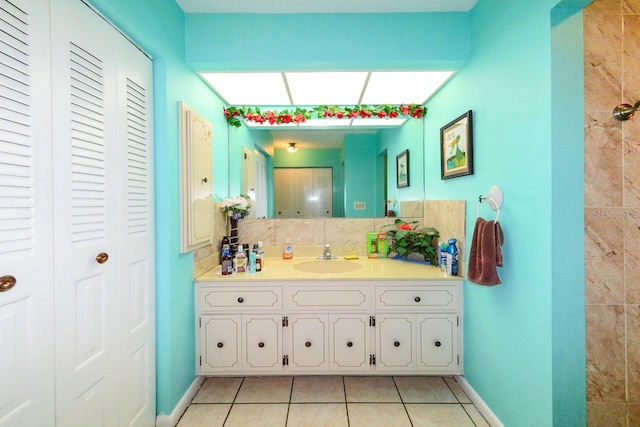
(252, 262)
(442, 257)
(227, 263)
(452, 258)
(241, 261)
(261, 255)
(287, 250)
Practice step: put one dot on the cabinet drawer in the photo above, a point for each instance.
(329, 297)
(422, 298)
(240, 299)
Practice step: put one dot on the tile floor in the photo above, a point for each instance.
(338, 401)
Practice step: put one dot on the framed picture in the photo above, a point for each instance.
(402, 169)
(456, 147)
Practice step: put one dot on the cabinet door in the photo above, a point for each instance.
(26, 223)
(308, 339)
(262, 342)
(437, 348)
(283, 192)
(322, 193)
(220, 338)
(349, 338)
(395, 343)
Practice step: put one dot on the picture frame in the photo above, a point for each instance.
(456, 147)
(402, 169)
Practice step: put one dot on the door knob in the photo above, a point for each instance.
(438, 343)
(102, 257)
(205, 180)
(396, 344)
(307, 344)
(349, 344)
(220, 345)
(7, 282)
(261, 344)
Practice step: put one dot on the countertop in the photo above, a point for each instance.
(277, 269)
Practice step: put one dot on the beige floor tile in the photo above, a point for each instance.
(475, 415)
(218, 390)
(258, 415)
(318, 389)
(371, 389)
(457, 390)
(439, 414)
(424, 390)
(377, 415)
(201, 415)
(265, 390)
(317, 415)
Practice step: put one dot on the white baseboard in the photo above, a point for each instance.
(171, 420)
(482, 407)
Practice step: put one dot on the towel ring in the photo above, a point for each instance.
(494, 199)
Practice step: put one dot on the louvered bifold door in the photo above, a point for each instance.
(136, 242)
(85, 159)
(26, 251)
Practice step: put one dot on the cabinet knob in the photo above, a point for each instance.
(261, 344)
(204, 180)
(396, 344)
(349, 344)
(7, 282)
(417, 299)
(102, 257)
(307, 344)
(438, 343)
(240, 300)
(298, 212)
(220, 345)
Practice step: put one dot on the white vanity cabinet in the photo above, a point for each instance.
(310, 327)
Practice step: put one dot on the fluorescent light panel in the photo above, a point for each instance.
(326, 88)
(403, 87)
(249, 88)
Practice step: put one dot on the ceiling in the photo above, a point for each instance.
(324, 6)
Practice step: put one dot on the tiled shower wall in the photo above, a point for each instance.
(612, 213)
(345, 235)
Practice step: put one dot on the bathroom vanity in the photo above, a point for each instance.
(307, 316)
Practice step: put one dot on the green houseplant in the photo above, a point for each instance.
(407, 239)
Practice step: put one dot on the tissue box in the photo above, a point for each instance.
(377, 246)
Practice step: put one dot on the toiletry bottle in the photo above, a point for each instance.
(224, 243)
(443, 257)
(241, 261)
(452, 258)
(256, 250)
(227, 263)
(287, 250)
(252, 262)
(260, 257)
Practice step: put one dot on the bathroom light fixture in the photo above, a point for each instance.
(292, 147)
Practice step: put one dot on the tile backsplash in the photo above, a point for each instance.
(345, 235)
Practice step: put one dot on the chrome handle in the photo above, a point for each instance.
(7, 282)
(102, 257)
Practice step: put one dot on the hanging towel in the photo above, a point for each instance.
(486, 253)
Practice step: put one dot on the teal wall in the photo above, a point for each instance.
(360, 153)
(158, 27)
(329, 158)
(524, 340)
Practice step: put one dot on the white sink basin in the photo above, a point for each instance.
(327, 266)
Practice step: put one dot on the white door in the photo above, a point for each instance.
(261, 196)
(303, 193)
(136, 240)
(438, 344)
(220, 344)
(395, 342)
(26, 246)
(262, 342)
(283, 185)
(349, 337)
(86, 215)
(308, 341)
(322, 193)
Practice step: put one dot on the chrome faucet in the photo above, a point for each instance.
(327, 253)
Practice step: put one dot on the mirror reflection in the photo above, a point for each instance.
(336, 173)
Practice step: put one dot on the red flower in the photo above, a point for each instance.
(258, 119)
(353, 114)
(285, 118)
(405, 227)
(393, 114)
(300, 118)
(328, 113)
(405, 109)
(271, 118)
(382, 114)
(365, 114)
(417, 113)
(226, 113)
(339, 114)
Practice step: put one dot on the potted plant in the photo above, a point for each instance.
(407, 240)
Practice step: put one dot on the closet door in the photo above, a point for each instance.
(26, 246)
(86, 215)
(136, 334)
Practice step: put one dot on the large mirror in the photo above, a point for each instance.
(363, 165)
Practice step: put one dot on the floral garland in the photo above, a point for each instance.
(301, 115)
